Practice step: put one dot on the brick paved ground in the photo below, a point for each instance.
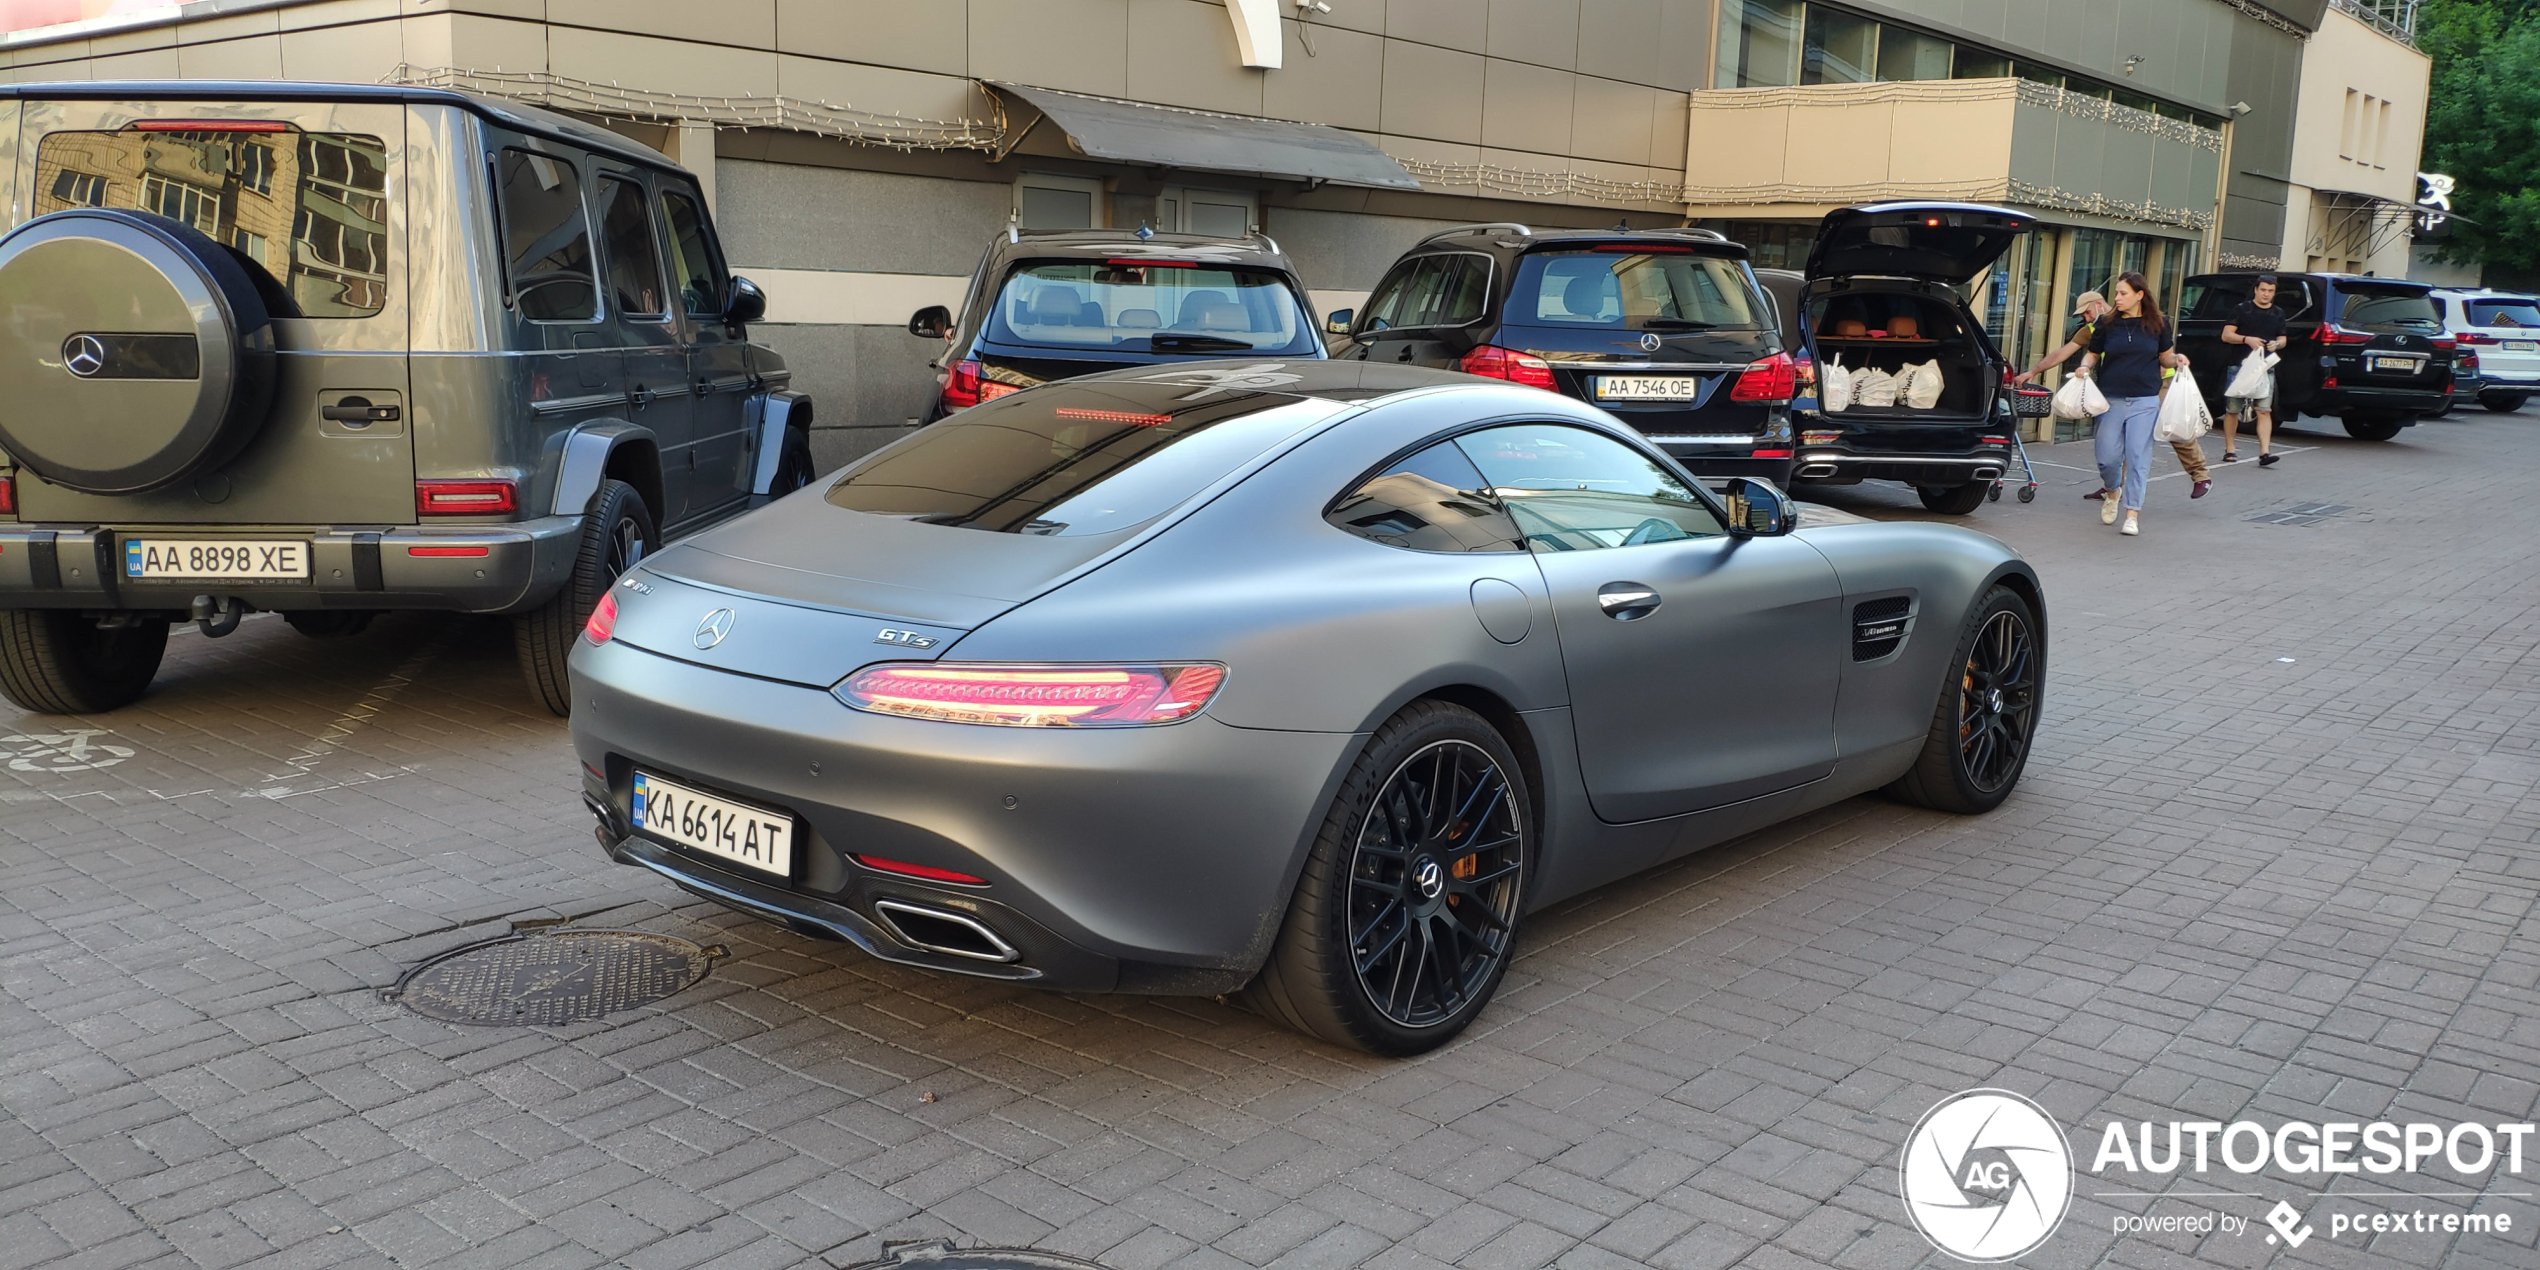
(2232, 886)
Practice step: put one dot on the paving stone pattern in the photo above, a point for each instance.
(2232, 886)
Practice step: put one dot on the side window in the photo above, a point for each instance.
(1570, 489)
(633, 271)
(1431, 291)
(696, 267)
(546, 238)
(1384, 308)
(1431, 501)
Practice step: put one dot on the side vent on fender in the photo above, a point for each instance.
(1878, 626)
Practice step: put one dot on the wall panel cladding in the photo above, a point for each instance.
(1345, 251)
(793, 216)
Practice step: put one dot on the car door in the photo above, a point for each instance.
(718, 355)
(1702, 666)
(639, 305)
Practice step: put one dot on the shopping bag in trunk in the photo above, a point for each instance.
(1834, 386)
(1922, 384)
(2183, 415)
(2079, 398)
(1873, 387)
(2255, 378)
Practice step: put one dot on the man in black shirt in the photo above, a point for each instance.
(2254, 323)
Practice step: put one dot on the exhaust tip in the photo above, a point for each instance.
(1813, 470)
(943, 931)
(1988, 474)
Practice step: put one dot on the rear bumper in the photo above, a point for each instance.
(1709, 461)
(2399, 401)
(1820, 464)
(471, 568)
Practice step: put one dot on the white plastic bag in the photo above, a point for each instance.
(2255, 378)
(1873, 387)
(1922, 385)
(2183, 415)
(1834, 386)
(2079, 398)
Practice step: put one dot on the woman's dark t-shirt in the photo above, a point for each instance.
(2129, 357)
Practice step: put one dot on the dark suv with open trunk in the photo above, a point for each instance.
(1880, 292)
(1665, 328)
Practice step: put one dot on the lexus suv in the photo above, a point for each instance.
(1881, 292)
(1664, 328)
(329, 350)
(1055, 304)
(2371, 353)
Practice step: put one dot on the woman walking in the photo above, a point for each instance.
(2091, 308)
(2128, 350)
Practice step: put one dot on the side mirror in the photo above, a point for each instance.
(743, 303)
(1337, 321)
(933, 322)
(1757, 509)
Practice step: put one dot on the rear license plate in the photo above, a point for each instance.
(2520, 346)
(750, 836)
(1647, 387)
(216, 559)
(2398, 365)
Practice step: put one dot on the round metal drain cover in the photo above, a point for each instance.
(550, 978)
(939, 1255)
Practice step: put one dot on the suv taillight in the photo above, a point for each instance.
(466, 498)
(2331, 335)
(968, 385)
(1493, 362)
(2473, 337)
(2468, 360)
(8, 494)
(1776, 378)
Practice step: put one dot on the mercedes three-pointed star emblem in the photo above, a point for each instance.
(712, 628)
(84, 355)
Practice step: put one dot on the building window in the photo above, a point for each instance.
(1044, 201)
(1905, 54)
(177, 200)
(2381, 138)
(80, 189)
(1759, 43)
(1774, 244)
(1216, 213)
(2347, 122)
(1841, 48)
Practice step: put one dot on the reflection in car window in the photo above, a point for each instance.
(1573, 490)
(634, 275)
(1147, 307)
(1660, 288)
(1075, 459)
(2513, 313)
(2378, 310)
(693, 262)
(1448, 290)
(546, 238)
(1430, 501)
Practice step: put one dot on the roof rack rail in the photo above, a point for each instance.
(1689, 231)
(1476, 229)
(1273, 243)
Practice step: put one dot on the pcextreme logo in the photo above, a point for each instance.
(1987, 1175)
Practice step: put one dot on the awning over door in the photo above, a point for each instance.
(1163, 136)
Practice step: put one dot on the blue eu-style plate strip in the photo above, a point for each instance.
(132, 558)
(639, 799)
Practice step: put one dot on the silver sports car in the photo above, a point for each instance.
(1303, 679)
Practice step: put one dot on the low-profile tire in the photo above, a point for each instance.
(54, 661)
(1405, 917)
(1954, 500)
(329, 623)
(2372, 427)
(2503, 402)
(617, 533)
(1986, 720)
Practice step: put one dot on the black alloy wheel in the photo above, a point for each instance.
(1433, 885)
(2372, 427)
(617, 533)
(1955, 500)
(1986, 718)
(2503, 402)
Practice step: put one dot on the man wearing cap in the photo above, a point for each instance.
(2091, 307)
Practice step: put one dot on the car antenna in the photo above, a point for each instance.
(1144, 233)
(1622, 227)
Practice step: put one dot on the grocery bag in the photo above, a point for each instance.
(1922, 385)
(1873, 387)
(2079, 398)
(2183, 415)
(1834, 386)
(2255, 378)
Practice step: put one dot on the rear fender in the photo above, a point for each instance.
(609, 449)
(768, 416)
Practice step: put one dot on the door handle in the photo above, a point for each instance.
(1627, 601)
(358, 411)
(639, 397)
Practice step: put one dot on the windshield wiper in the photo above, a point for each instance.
(1195, 344)
(1676, 324)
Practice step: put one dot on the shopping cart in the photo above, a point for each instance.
(2028, 401)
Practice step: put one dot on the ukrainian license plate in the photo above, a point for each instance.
(216, 559)
(2398, 365)
(2521, 346)
(1647, 387)
(751, 836)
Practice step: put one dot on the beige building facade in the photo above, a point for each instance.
(2359, 129)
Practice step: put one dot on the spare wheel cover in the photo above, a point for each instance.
(136, 351)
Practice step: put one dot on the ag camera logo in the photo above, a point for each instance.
(1987, 1175)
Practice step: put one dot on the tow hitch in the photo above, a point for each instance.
(218, 615)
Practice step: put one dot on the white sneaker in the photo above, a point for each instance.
(2131, 527)
(2108, 508)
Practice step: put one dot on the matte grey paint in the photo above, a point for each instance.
(1171, 851)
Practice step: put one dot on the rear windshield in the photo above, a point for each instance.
(2373, 310)
(2512, 313)
(1081, 458)
(1142, 307)
(306, 210)
(1635, 289)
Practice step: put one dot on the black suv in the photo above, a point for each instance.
(1056, 304)
(1881, 291)
(2370, 352)
(1663, 327)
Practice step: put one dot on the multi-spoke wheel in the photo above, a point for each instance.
(617, 533)
(1402, 922)
(1987, 715)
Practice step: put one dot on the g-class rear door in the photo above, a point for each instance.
(718, 369)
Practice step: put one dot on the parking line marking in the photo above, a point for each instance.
(359, 715)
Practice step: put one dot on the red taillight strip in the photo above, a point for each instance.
(449, 551)
(8, 495)
(927, 872)
(1028, 696)
(603, 622)
(211, 125)
(465, 497)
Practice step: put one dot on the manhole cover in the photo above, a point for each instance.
(553, 977)
(938, 1255)
(2301, 515)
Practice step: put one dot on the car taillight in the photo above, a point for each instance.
(1493, 362)
(2473, 337)
(1776, 378)
(1023, 696)
(2331, 335)
(2468, 360)
(968, 385)
(1771, 454)
(1826, 437)
(926, 872)
(8, 495)
(1994, 440)
(603, 623)
(465, 498)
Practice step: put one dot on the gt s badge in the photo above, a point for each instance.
(905, 639)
